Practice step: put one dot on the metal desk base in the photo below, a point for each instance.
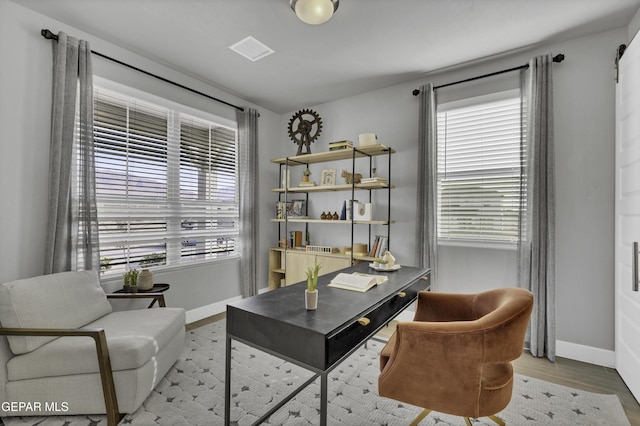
(323, 374)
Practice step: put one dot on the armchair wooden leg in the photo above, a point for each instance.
(421, 416)
(106, 376)
(467, 421)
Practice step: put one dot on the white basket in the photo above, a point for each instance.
(321, 249)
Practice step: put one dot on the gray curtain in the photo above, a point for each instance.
(72, 239)
(248, 169)
(536, 249)
(426, 221)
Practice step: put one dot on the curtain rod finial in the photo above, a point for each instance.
(416, 92)
(48, 34)
(558, 58)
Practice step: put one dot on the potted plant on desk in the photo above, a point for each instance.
(311, 293)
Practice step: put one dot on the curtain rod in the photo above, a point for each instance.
(558, 58)
(51, 36)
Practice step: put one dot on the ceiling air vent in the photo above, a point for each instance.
(251, 49)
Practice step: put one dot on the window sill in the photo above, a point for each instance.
(109, 278)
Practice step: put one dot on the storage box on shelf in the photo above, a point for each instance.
(288, 265)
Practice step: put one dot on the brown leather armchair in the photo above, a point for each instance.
(455, 356)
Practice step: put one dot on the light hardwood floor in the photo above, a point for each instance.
(566, 372)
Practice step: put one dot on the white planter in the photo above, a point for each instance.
(311, 300)
(145, 280)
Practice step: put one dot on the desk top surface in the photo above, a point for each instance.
(335, 306)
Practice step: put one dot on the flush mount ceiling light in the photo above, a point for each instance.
(314, 12)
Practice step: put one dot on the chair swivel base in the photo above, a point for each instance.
(426, 412)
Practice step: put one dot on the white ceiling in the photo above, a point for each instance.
(368, 44)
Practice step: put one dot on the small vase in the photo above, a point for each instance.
(311, 300)
(145, 280)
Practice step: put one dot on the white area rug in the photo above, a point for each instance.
(192, 393)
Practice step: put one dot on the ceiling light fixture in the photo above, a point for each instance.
(314, 12)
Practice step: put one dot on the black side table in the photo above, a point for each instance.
(157, 288)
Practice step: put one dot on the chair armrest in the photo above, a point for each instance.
(86, 332)
(104, 362)
(156, 296)
(432, 353)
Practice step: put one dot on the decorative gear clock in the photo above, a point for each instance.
(305, 127)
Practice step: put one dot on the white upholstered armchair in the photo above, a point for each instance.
(63, 348)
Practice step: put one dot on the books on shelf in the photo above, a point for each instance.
(374, 180)
(310, 183)
(379, 246)
(333, 146)
(356, 281)
(283, 209)
(347, 209)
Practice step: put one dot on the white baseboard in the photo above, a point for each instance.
(588, 354)
(203, 312)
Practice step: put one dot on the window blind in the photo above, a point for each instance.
(165, 183)
(479, 171)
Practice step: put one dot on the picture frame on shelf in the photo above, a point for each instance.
(328, 177)
(298, 208)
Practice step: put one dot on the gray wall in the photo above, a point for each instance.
(584, 131)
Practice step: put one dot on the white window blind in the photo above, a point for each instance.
(479, 170)
(166, 185)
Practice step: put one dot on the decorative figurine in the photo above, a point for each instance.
(348, 177)
(389, 259)
(305, 131)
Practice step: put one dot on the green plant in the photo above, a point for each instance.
(312, 277)
(131, 278)
(306, 172)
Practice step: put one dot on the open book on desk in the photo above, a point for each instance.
(356, 281)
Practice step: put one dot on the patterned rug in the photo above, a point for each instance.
(192, 393)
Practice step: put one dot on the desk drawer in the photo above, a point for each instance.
(345, 339)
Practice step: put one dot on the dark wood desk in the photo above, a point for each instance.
(278, 323)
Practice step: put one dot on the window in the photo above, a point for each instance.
(479, 169)
(166, 185)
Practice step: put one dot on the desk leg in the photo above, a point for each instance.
(227, 384)
(323, 398)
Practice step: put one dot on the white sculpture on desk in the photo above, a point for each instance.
(390, 261)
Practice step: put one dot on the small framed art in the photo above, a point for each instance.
(298, 208)
(328, 177)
